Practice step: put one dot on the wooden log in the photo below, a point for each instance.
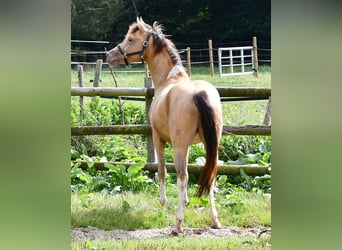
(255, 57)
(98, 69)
(151, 154)
(81, 84)
(211, 58)
(110, 91)
(147, 130)
(188, 55)
(107, 91)
(247, 130)
(192, 168)
(111, 130)
(267, 118)
(244, 92)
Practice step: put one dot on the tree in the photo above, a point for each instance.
(93, 19)
(188, 21)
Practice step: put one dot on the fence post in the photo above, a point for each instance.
(255, 57)
(98, 69)
(151, 155)
(81, 84)
(211, 57)
(189, 60)
(147, 74)
(268, 113)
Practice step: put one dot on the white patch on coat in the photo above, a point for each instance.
(175, 70)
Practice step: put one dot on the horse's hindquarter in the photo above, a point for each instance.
(212, 92)
(174, 114)
(213, 98)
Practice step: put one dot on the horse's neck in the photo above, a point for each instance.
(163, 71)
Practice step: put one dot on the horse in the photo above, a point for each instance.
(182, 112)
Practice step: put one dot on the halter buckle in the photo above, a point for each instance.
(145, 43)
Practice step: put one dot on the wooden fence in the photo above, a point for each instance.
(148, 92)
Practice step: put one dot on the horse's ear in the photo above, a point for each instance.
(141, 24)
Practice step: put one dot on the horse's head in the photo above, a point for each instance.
(135, 44)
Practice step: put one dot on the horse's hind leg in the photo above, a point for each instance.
(213, 213)
(180, 160)
(160, 147)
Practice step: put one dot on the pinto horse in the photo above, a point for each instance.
(182, 112)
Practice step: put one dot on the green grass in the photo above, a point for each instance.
(237, 243)
(130, 211)
(125, 78)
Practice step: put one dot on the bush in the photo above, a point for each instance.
(239, 150)
(99, 112)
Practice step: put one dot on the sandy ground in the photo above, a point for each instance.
(93, 233)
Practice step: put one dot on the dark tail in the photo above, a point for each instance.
(209, 130)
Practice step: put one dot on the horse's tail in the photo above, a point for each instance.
(210, 131)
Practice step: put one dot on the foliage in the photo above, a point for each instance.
(222, 21)
(116, 179)
(240, 150)
(105, 112)
(92, 20)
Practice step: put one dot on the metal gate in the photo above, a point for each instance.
(236, 61)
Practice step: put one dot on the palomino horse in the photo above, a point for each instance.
(183, 112)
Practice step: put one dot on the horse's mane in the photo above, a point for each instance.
(160, 41)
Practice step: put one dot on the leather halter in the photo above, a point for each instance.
(140, 52)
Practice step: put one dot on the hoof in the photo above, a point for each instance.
(163, 201)
(174, 232)
(216, 225)
(178, 227)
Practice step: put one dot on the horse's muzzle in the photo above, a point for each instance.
(113, 57)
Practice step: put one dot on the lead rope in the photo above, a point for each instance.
(122, 112)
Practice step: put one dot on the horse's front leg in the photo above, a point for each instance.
(160, 147)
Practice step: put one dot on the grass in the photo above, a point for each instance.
(128, 78)
(130, 211)
(237, 243)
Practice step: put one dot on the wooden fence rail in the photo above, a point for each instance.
(252, 169)
(110, 91)
(147, 130)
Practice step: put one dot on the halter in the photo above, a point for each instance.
(140, 52)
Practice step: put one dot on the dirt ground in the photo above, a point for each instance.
(93, 233)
